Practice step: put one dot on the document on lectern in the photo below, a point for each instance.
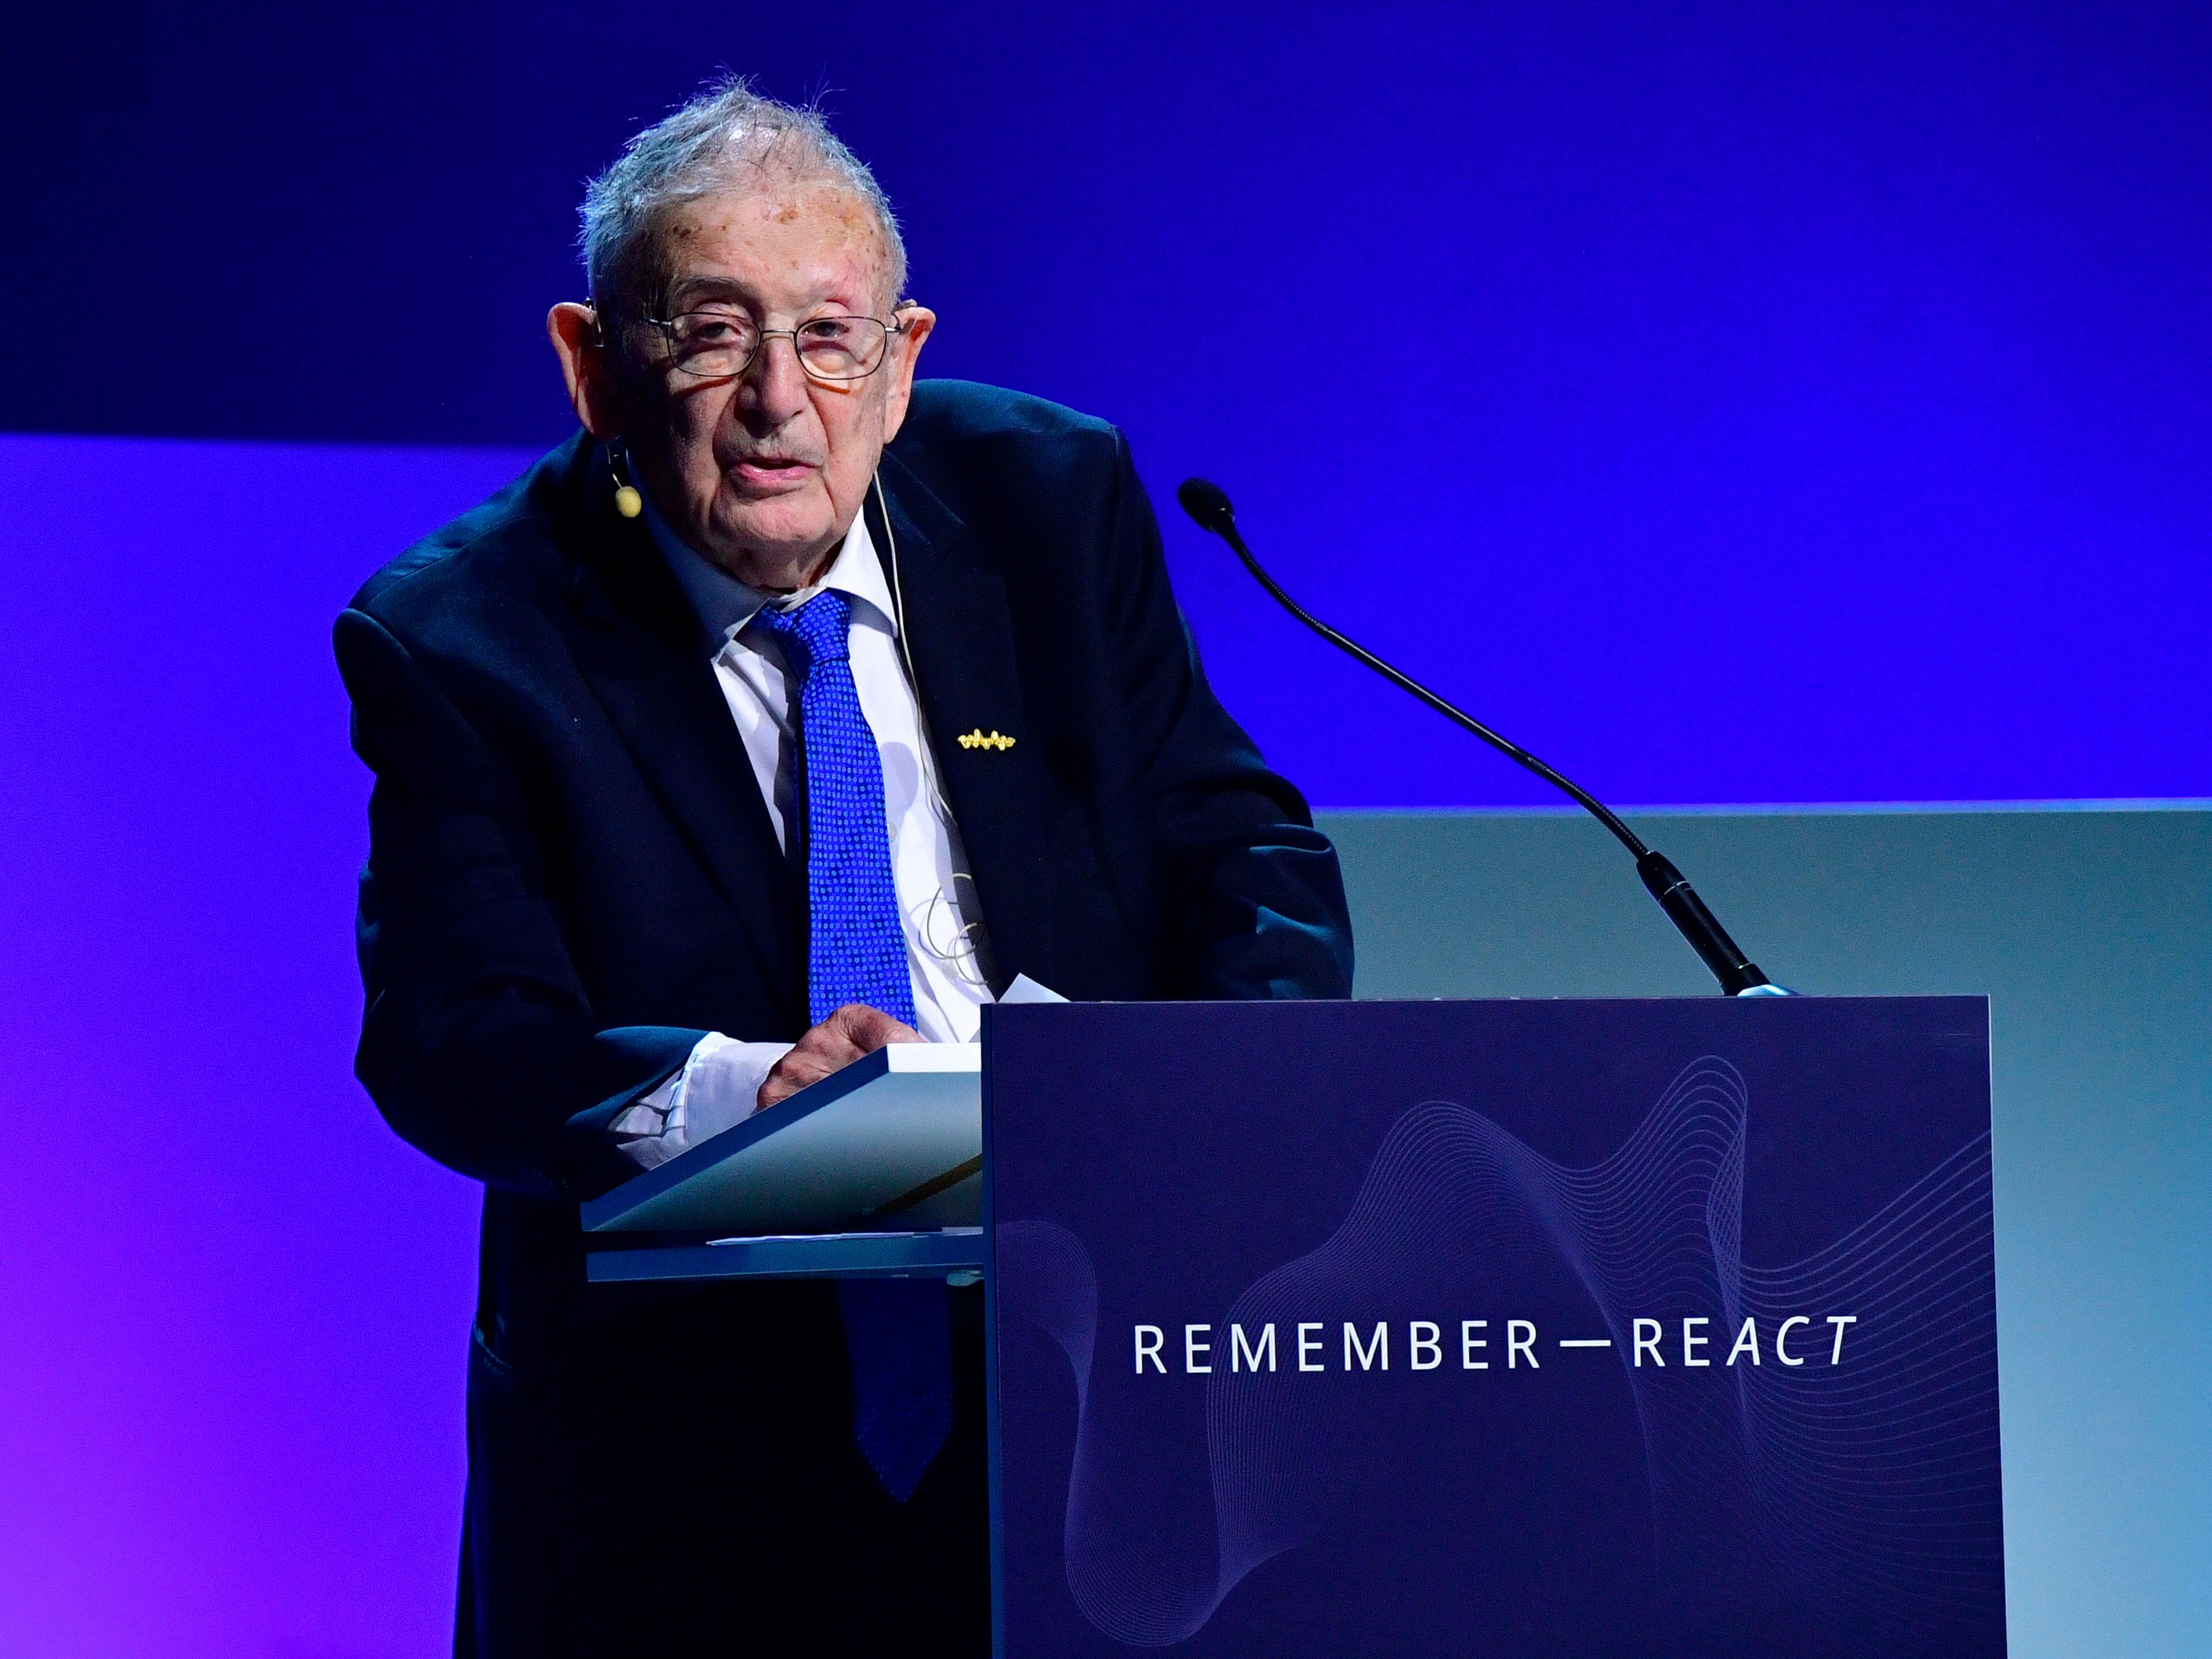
(894, 1140)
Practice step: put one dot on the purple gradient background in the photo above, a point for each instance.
(235, 1306)
(1829, 423)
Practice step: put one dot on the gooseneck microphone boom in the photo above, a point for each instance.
(1210, 510)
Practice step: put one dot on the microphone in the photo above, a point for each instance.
(1738, 975)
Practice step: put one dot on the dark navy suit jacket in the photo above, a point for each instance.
(572, 877)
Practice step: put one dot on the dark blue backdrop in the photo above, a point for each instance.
(1819, 409)
(1820, 416)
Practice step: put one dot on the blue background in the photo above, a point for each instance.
(1811, 404)
(1818, 415)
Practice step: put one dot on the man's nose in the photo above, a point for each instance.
(776, 383)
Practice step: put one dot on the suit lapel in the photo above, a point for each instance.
(960, 635)
(639, 645)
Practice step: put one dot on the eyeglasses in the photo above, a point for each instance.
(718, 343)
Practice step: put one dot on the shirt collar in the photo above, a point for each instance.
(725, 605)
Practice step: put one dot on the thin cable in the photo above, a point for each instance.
(927, 763)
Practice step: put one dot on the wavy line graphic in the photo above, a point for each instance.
(1871, 1484)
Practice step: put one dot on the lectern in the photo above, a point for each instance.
(1542, 1327)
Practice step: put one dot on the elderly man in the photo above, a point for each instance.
(788, 710)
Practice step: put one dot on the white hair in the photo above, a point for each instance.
(694, 152)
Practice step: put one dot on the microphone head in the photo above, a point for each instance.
(1207, 505)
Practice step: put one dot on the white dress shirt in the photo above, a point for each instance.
(947, 956)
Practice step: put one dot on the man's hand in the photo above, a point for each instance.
(854, 1029)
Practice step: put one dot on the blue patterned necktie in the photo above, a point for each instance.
(898, 1331)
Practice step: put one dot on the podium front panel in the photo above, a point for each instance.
(1561, 1328)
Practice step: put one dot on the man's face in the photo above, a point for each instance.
(764, 472)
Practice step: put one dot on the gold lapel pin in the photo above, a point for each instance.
(978, 739)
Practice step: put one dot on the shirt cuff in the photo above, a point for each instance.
(719, 1085)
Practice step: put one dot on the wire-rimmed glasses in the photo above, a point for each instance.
(719, 342)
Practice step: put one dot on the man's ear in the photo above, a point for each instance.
(914, 324)
(585, 363)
